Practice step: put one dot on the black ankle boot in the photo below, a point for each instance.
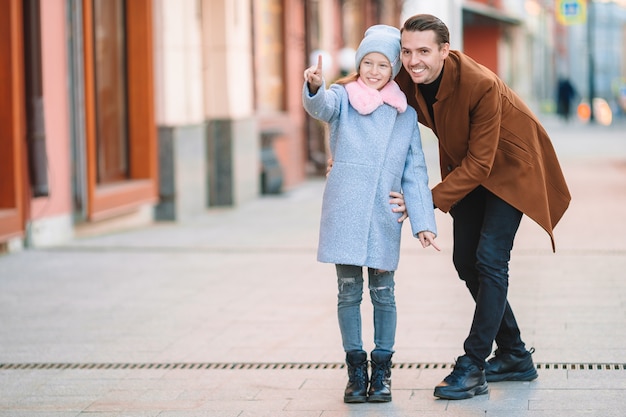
(380, 382)
(356, 390)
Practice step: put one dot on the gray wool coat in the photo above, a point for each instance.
(372, 155)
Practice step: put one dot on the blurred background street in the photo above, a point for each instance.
(160, 189)
(122, 113)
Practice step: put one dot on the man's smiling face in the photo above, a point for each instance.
(422, 56)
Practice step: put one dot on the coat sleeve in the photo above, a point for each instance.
(417, 194)
(325, 104)
(481, 146)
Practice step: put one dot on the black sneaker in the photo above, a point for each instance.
(509, 367)
(465, 381)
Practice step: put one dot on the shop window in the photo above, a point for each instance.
(109, 35)
(120, 130)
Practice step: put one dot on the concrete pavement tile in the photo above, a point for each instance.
(405, 378)
(32, 413)
(197, 413)
(275, 394)
(555, 379)
(479, 403)
(139, 385)
(235, 393)
(404, 400)
(51, 403)
(67, 388)
(138, 413)
(251, 406)
(325, 400)
(429, 352)
(162, 395)
(512, 386)
(289, 379)
(134, 405)
(595, 379)
(274, 413)
(186, 377)
(143, 374)
(334, 380)
(578, 399)
(122, 394)
(513, 397)
(369, 410)
(19, 383)
(419, 399)
(425, 379)
(554, 413)
(85, 373)
(548, 378)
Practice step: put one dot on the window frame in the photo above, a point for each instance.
(108, 200)
(13, 202)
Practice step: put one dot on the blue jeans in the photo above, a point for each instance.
(381, 287)
(484, 230)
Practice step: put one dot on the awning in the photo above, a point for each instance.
(479, 14)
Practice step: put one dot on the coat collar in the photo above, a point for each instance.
(450, 76)
(446, 89)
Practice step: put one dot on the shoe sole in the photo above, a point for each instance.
(461, 395)
(379, 398)
(529, 375)
(354, 400)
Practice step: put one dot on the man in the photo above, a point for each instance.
(497, 163)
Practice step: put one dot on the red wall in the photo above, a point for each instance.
(481, 43)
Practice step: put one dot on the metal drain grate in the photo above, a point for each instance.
(583, 366)
(285, 366)
(235, 365)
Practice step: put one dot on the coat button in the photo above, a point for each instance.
(449, 168)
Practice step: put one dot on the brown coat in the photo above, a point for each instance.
(489, 137)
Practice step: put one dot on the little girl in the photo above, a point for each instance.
(376, 150)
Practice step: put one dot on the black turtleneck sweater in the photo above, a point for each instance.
(429, 92)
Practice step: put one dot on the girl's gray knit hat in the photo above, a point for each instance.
(382, 39)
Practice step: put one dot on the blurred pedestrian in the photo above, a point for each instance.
(497, 163)
(565, 94)
(376, 146)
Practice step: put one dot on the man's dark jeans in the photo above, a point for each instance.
(484, 230)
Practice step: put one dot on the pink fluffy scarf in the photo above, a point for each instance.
(366, 99)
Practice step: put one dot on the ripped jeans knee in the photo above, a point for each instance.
(350, 286)
(350, 295)
(382, 289)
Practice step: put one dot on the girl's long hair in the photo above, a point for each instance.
(348, 78)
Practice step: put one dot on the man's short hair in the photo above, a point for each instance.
(423, 22)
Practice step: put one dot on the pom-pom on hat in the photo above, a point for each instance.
(384, 40)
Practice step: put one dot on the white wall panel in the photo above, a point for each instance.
(178, 62)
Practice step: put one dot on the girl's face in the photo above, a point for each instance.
(375, 70)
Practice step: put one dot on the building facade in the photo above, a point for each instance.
(119, 113)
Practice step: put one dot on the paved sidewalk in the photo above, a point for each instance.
(229, 315)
